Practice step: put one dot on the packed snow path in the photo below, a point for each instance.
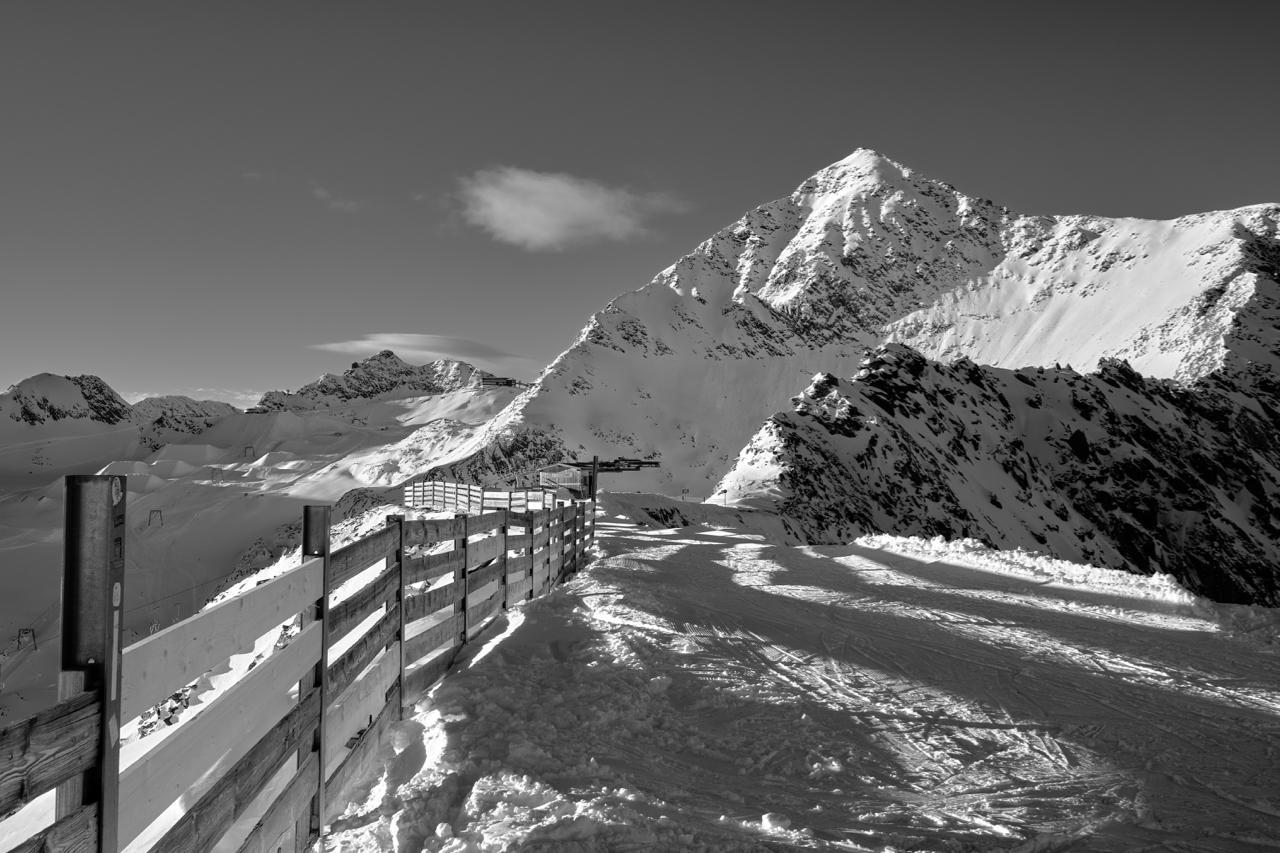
(699, 689)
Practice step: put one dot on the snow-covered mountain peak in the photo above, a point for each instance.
(46, 397)
(867, 251)
(383, 375)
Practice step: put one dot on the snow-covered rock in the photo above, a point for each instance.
(182, 414)
(866, 252)
(1109, 468)
(381, 376)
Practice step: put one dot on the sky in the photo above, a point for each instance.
(223, 199)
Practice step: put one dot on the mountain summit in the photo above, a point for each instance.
(866, 252)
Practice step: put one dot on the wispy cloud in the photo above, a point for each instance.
(243, 398)
(554, 211)
(423, 348)
(332, 202)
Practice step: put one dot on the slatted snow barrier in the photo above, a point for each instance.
(415, 592)
(438, 494)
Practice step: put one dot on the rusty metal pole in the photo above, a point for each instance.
(92, 617)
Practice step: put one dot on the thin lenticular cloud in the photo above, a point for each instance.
(333, 202)
(554, 211)
(424, 348)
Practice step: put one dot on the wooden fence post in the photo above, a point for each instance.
(315, 543)
(397, 521)
(92, 611)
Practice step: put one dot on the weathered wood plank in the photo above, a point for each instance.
(350, 712)
(485, 609)
(426, 531)
(432, 566)
(350, 613)
(293, 803)
(483, 523)
(523, 540)
(518, 590)
(433, 637)
(483, 550)
(77, 833)
(347, 562)
(361, 759)
(426, 603)
(39, 752)
(481, 578)
(238, 718)
(555, 560)
(204, 824)
(344, 670)
(170, 659)
(540, 537)
(519, 565)
(429, 673)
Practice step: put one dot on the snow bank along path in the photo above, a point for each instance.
(702, 689)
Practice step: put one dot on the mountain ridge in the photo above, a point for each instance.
(865, 252)
(1110, 468)
(381, 375)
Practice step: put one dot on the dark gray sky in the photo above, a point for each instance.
(197, 196)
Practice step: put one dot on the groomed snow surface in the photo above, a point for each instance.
(703, 689)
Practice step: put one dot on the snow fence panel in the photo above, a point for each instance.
(349, 713)
(224, 730)
(204, 824)
(344, 670)
(350, 613)
(168, 660)
(347, 562)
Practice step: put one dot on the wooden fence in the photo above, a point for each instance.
(378, 622)
(466, 498)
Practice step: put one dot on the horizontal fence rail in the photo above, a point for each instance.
(358, 635)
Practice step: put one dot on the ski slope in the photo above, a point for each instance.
(703, 689)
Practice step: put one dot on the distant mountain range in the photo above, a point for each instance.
(1105, 390)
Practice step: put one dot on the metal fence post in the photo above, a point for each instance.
(315, 543)
(92, 613)
(460, 574)
(397, 521)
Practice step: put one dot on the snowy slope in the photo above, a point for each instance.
(213, 493)
(705, 689)
(380, 376)
(1108, 468)
(865, 252)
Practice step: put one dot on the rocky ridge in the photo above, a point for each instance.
(182, 414)
(384, 375)
(1109, 468)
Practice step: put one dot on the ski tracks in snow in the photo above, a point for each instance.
(693, 681)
